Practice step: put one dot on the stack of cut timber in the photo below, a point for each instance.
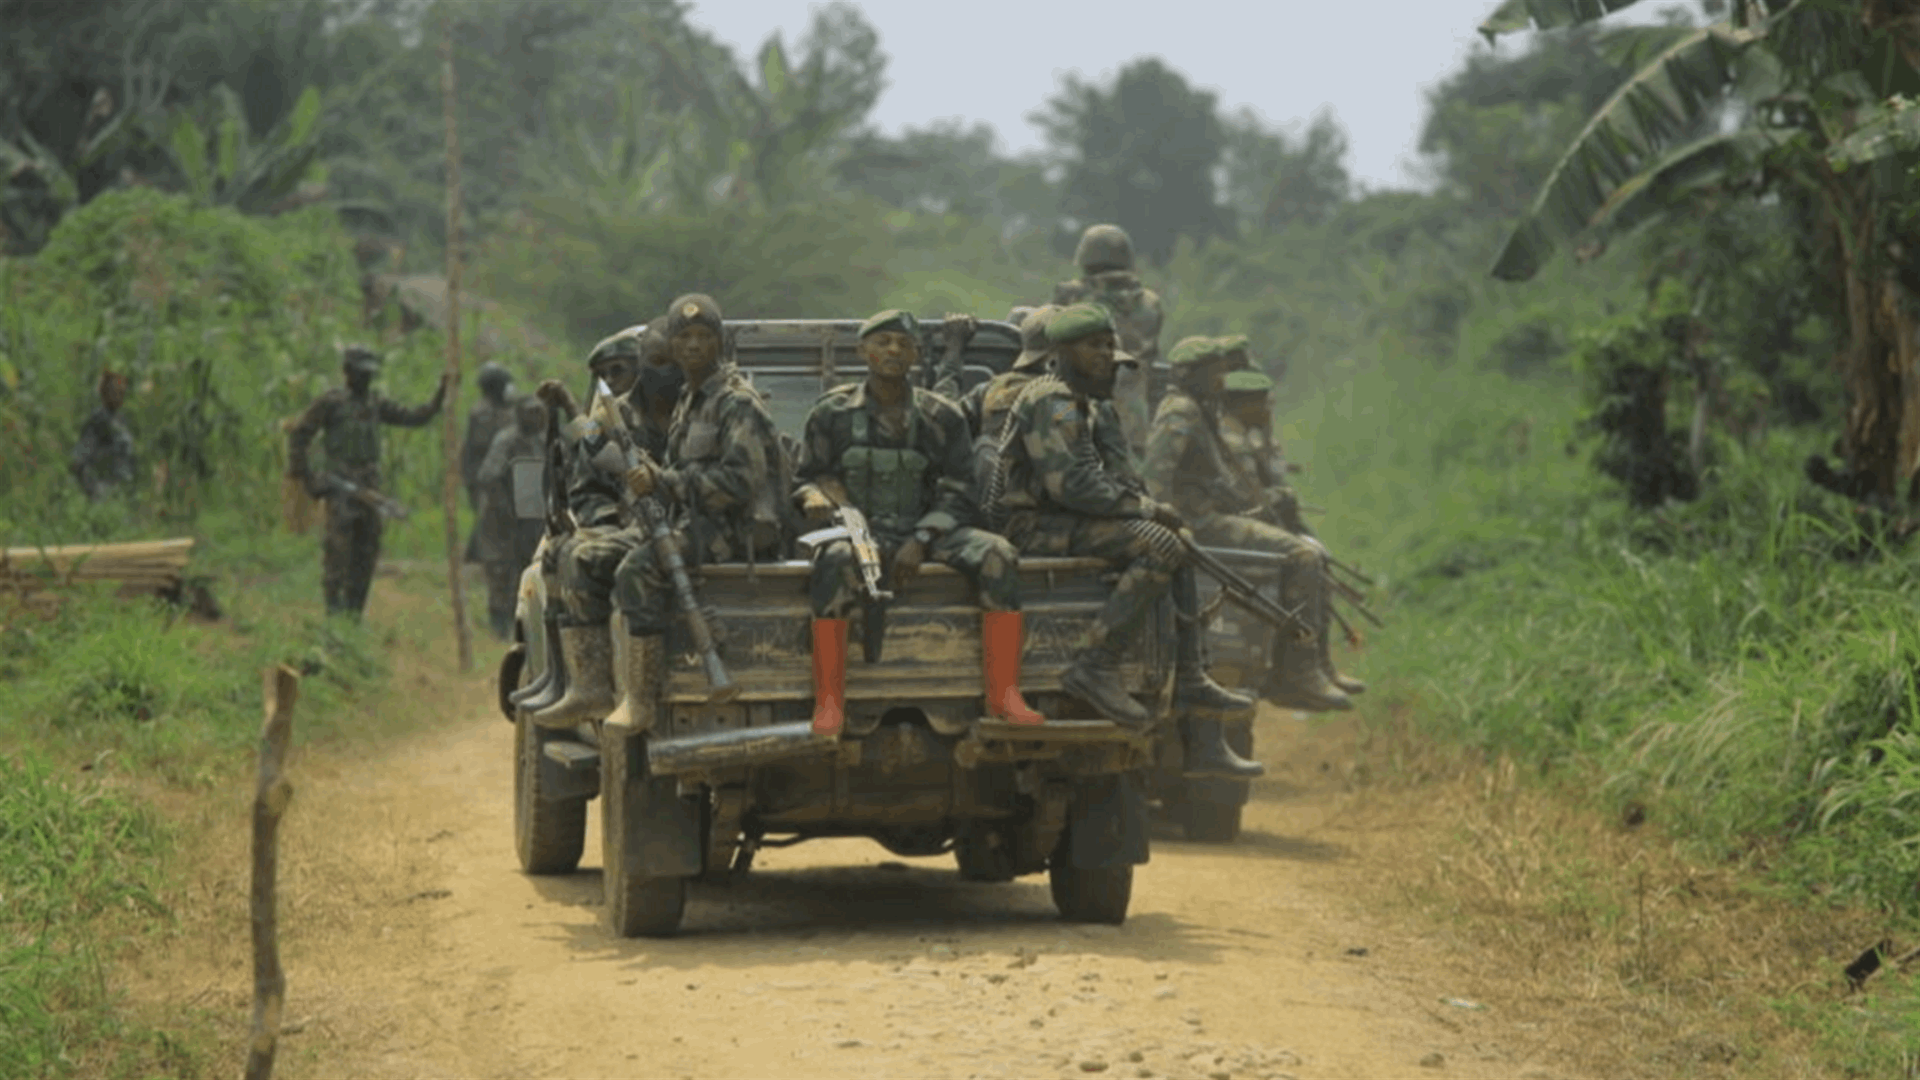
(143, 564)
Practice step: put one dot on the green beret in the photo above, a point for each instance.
(693, 309)
(1193, 350)
(1248, 382)
(891, 319)
(1075, 321)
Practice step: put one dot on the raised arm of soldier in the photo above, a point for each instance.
(955, 332)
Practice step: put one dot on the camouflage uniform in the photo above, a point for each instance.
(726, 476)
(103, 458)
(348, 424)
(507, 540)
(1105, 256)
(931, 493)
(492, 414)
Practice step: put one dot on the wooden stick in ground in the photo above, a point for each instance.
(450, 437)
(269, 803)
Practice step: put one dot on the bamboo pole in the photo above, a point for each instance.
(450, 438)
(282, 689)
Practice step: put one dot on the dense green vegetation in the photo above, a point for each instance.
(1583, 494)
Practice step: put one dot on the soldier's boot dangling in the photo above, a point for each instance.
(589, 696)
(1298, 679)
(1209, 755)
(1000, 644)
(829, 676)
(646, 670)
(1095, 679)
(1194, 691)
(551, 683)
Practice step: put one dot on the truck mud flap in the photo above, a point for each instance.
(1107, 822)
(568, 769)
(662, 838)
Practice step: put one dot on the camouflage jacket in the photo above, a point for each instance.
(1256, 451)
(1064, 455)
(986, 406)
(350, 433)
(1137, 312)
(727, 471)
(484, 421)
(1189, 465)
(594, 493)
(846, 418)
(103, 455)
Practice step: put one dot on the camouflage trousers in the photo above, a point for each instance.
(589, 561)
(1148, 568)
(348, 552)
(987, 559)
(643, 588)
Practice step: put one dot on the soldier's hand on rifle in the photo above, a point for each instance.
(1162, 514)
(556, 397)
(906, 562)
(959, 329)
(641, 479)
(815, 505)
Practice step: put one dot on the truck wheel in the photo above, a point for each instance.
(1089, 895)
(1210, 823)
(548, 834)
(637, 906)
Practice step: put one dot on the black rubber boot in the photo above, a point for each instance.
(552, 683)
(1208, 754)
(1298, 680)
(1095, 679)
(1194, 691)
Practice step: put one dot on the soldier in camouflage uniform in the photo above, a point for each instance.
(1105, 256)
(1246, 427)
(491, 415)
(900, 454)
(724, 479)
(1070, 489)
(348, 420)
(506, 539)
(103, 459)
(986, 405)
(586, 559)
(1189, 465)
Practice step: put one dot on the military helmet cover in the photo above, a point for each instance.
(1075, 321)
(1104, 247)
(891, 319)
(693, 309)
(1034, 346)
(1248, 382)
(624, 344)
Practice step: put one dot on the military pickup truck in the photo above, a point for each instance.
(690, 789)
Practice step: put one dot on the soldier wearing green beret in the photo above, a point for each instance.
(1190, 463)
(1107, 278)
(348, 421)
(1070, 489)
(901, 455)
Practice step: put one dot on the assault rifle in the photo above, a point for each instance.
(850, 524)
(387, 508)
(653, 518)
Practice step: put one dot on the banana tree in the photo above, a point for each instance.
(223, 162)
(1793, 98)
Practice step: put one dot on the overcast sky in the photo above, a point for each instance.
(998, 60)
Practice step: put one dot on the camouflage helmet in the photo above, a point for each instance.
(1034, 346)
(1104, 247)
(360, 358)
(625, 344)
(493, 378)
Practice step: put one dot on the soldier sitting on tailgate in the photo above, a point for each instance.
(900, 455)
(1189, 465)
(1070, 489)
(505, 536)
(1105, 257)
(348, 421)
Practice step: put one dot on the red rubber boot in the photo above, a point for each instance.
(829, 676)
(1000, 645)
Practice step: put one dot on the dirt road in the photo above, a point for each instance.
(415, 947)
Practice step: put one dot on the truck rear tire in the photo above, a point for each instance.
(637, 905)
(1089, 895)
(548, 834)
(1210, 810)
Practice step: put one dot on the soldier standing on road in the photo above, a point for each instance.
(103, 459)
(1071, 490)
(1105, 256)
(507, 538)
(1190, 465)
(348, 420)
(901, 455)
(491, 415)
(724, 481)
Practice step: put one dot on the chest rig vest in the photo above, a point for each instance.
(888, 483)
(352, 440)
